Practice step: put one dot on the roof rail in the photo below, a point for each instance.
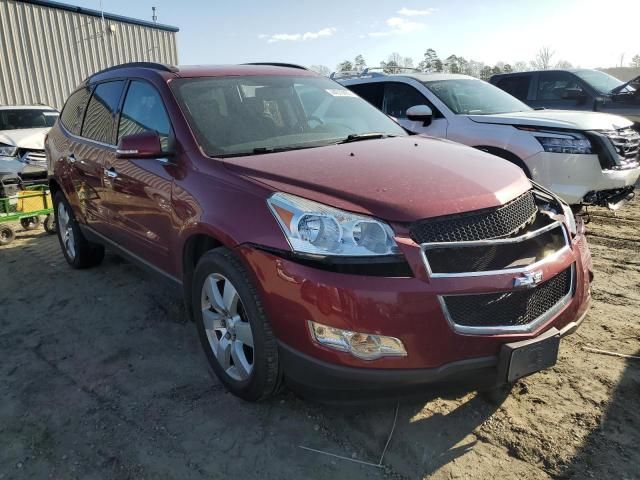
(346, 74)
(151, 65)
(278, 64)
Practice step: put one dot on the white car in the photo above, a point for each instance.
(22, 132)
(587, 158)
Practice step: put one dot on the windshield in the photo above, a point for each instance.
(469, 96)
(600, 81)
(15, 119)
(254, 114)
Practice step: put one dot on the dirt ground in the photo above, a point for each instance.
(102, 377)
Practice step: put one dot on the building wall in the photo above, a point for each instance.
(46, 52)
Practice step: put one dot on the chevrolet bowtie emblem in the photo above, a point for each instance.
(528, 279)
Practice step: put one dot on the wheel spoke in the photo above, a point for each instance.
(242, 367)
(212, 320)
(211, 288)
(230, 297)
(243, 333)
(223, 353)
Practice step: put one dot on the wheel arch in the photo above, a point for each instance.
(506, 155)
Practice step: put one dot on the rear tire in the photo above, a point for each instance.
(30, 223)
(229, 317)
(77, 250)
(7, 235)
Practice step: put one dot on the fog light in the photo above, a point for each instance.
(366, 346)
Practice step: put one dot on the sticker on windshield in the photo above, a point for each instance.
(50, 114)
(340, 92)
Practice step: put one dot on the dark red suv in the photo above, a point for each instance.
(316, 241)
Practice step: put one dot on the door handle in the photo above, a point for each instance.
(110, 172)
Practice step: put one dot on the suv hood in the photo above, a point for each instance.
(395, 179)
(29, 138)
(569, 119)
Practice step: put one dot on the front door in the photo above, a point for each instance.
(561, 91)
(138, 191)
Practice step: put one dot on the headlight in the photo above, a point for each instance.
(312, 227)
(8, 150)
(579, 144)
(569, 218)
(361, 345)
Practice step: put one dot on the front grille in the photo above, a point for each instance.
(626, 141)
(508, 309)
(484, 224)
(34, 157)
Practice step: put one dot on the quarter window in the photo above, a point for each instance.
(101, 112)
(143, 111)
(399, 97)
(73, 110)
(554, 85)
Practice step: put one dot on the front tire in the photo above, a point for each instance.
(233, 327)
(77, 250)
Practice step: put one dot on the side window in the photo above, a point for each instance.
(73, 111)
(100, 117)
(144, 111)
(371, 92)
(518, 86)
(553, 85)
(399, 97)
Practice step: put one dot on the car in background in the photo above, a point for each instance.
(579, 89)
(314, 240)
(22, 132)
(586, 158)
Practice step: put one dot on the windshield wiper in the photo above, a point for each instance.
(357, 137)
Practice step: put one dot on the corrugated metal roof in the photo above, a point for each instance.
(97, 13)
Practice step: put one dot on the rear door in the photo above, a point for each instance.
(399, 97)
(92, 148)
(556, 90)
(138, 191)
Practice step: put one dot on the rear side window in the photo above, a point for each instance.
(73, 110)
(553, 85)
(100, 117)
(144, 111)
(516, 86)
(371, 92)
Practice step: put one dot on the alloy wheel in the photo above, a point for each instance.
(227, 326)
(66, 231)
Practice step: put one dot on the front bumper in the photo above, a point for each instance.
(573, 177)
(331, 382)
(403, 307)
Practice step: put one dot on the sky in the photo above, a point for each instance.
(587, 33)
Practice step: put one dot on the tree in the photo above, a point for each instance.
(359, 64)
(430, 62)
(321, 69)
(345, 66)
(485, 73)
(451, 64)
(520, 67)
(507, 68)
(564, 64)
(496, 70)
(635, 61)
(473, 68)
(394, 63)
(543, 59)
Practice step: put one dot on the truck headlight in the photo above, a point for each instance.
(365, 346)
(579, 144)
(8, 150)
(311, 227)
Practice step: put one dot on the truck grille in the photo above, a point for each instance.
(479, 225)
(519, 308)
(626, 141)
(34, 157)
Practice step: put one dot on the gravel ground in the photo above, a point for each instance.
(102, 377)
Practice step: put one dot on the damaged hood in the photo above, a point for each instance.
(633, 81)
(27, 138)
(567, 119)
(395, 179)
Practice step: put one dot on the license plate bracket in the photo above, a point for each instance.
(520, 359)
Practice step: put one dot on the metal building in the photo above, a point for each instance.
(47, 48)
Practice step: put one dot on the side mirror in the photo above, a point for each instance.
(420, 113)
(140, 145)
